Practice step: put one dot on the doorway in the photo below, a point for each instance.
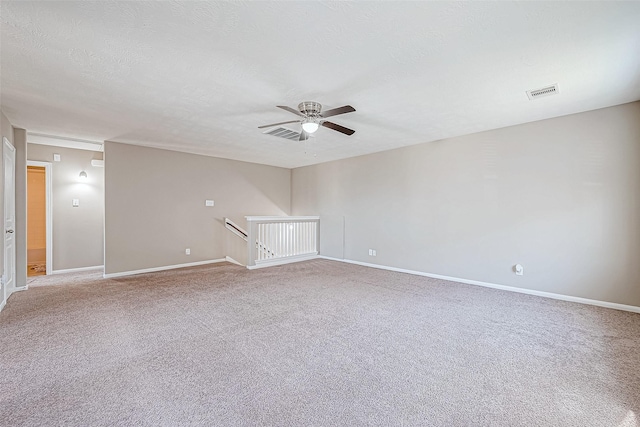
(38, 219)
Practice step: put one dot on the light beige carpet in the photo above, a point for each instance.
(318, 343)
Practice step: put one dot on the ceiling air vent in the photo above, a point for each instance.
(284, 133)
(545, 91)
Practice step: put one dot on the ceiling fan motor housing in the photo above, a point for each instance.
(310, 108)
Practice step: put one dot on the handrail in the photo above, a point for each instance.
(281, 218)
(235, 229)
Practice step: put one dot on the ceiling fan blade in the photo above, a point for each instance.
(291, 110)
(339, 128)
(276, 124)
(336, 111)
(303, 136)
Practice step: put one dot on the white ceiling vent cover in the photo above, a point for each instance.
(284, 133)
(545, 91)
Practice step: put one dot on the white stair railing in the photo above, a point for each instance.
(240, 232)
(281, 240)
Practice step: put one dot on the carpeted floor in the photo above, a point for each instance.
(317, 343)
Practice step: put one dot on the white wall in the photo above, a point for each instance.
(155, 205)
(20, 143)
(559, 196)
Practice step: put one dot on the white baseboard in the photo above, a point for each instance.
(166, 267)
(77, 270)
(233, 261)
(10, 292)
(281, 261)
(606, 304)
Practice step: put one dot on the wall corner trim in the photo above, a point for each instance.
(13, 291)
(569, 298)
(165, 267)
(233, 261)
(282, 261)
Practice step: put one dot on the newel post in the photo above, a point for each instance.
(318, 236)
(252, 234)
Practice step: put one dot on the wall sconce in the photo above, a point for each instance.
(82, 176)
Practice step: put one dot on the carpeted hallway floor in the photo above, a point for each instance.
(317, 343)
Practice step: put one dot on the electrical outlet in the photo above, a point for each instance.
(372, 252)
(518, 269)
(187, 251)
(209, 203)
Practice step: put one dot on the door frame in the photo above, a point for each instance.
(48, 208)
(6, 292)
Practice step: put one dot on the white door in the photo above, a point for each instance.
(9, 274)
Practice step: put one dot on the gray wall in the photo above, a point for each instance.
(155, 204)
(559, 196)
(77, 231)
(20, 142)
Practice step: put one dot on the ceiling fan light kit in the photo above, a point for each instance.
(312, 118)
(310, 126)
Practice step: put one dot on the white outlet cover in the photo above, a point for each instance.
(519, 270)
(187, 251)
(56, 157)
(75, 203)
(208, 203)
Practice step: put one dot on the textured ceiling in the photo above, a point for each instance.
(202, 76)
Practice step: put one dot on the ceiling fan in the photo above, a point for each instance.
(312, 117)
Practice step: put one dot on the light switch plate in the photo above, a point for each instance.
(75, 203)
(208, 202)
(56, 157)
